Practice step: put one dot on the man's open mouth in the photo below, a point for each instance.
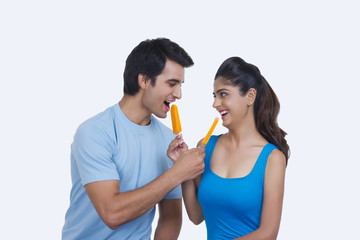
(167, 105)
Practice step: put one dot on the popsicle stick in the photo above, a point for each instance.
(208, 135)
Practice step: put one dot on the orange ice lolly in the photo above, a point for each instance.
(208, 135)
(175, 119)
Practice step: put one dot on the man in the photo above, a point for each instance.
(119, 159)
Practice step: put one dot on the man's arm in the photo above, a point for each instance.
(117, 208)
(170, 219)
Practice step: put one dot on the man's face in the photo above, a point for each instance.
(167, 89)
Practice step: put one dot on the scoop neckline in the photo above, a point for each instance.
(238, 178)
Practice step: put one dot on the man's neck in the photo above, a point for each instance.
(133, 109)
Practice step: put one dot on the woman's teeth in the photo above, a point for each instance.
(223, 113)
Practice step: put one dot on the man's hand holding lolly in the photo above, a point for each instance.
(178, 150)
(190, 163)
(177, 146)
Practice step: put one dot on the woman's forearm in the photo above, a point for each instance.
(191, 201)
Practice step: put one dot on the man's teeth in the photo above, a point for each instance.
(223, 113)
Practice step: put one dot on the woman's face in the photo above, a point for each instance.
(228, 101)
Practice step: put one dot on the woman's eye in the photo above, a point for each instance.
(223, 94)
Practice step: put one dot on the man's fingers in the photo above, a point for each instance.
(175, 143)
(184, 146)
(201, 149)
(179, 136)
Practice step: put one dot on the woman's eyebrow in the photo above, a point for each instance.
(222, 89)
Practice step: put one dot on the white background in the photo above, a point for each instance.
(61, 62)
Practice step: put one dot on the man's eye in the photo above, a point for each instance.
(172, 84)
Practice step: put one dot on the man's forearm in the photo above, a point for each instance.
(118, 208)
(170, 219)
(166, 232)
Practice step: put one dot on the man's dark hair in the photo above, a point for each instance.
(149, 58)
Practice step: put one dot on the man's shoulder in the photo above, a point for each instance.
(102, 121)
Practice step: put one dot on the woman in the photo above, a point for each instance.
(240, 193)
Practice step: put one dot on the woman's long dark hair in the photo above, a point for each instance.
(266, 107)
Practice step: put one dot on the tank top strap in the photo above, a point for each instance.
(261, 162)
(209, 148)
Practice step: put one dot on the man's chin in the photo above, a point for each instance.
(161, 115)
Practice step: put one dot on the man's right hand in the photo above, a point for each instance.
(190, 164)
(176, 147)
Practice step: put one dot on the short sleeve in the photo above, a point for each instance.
(176, 193)
(93, 154)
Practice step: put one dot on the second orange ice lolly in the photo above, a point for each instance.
(175, 119)
(208, 135)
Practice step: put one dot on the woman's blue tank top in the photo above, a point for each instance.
(232, 206)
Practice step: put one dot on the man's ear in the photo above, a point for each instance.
(251, 96)
(143, 81)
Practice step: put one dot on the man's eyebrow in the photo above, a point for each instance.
(175, 80)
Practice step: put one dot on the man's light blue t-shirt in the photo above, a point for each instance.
(109, 146)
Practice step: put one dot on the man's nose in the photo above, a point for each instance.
(177, 92)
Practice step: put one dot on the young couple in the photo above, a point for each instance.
(124, 161)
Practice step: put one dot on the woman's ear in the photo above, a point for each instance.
(251, 96)
(143, 81)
